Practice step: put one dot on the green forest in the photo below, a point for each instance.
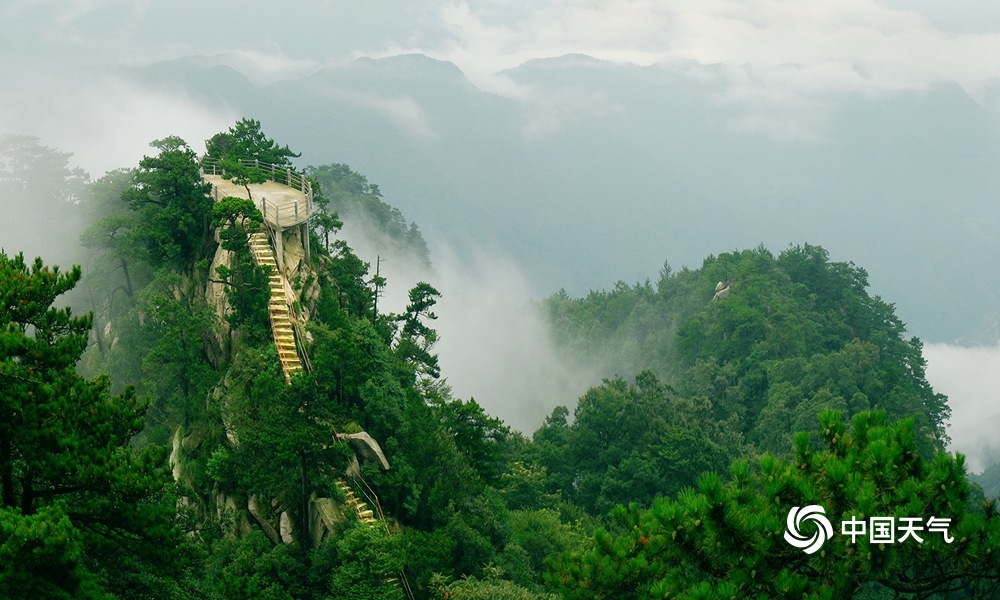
(155, 444)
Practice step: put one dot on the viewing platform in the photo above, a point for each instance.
(285, 200)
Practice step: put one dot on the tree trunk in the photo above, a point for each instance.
(27, 497)
(97, 327)
(7, 472)
(128, 278)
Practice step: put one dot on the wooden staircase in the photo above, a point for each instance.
(277, 307)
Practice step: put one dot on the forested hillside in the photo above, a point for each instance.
(156, 445)
(767, 341)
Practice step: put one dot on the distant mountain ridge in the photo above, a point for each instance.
(602, 170)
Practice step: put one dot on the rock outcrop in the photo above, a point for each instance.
(365, 447)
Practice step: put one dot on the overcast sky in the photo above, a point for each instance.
(54, 50)
(843, 44)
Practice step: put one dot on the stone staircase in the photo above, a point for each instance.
(277, 307)
(284, 340)
(365, 514)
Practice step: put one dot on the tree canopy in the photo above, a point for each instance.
(725, 540)
(173, 205)
(793, 334)
(79, 503)
(246, 141)
(673, 477)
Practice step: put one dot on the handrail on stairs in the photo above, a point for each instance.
(293, 316)
(295, 181)
(285, 365)
(371, 498)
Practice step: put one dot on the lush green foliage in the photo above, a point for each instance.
(246, 282)
(491, 587)
(351, 196)
(630, 444)
(472, 509)
(246, 141)
(173, 206)
(154, 327)
(416, 337)
(77, 499)
(789, 336)
(725, 539)
(174, 368)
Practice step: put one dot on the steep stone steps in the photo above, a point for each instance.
(365, 514)
(277, 306)
(283, 332)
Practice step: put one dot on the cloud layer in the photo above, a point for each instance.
(774, 58)
(820, 46)
(849, 45)
(104, 119)
(970, 377)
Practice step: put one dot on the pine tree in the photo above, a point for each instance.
(78, 503)
(172, 204)
(726, 539)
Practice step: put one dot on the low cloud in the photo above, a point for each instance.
(102, 118)
(970, 377)
(779, 60)
(495, 344)
(778, 63)
(403, 111)
(893, 48)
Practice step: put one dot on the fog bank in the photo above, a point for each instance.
(495, 344)
(970, 377)
(101, 116)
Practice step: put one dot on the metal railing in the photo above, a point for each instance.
(286, 367)
(286, 176)
(371, 499)
(280, 174)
